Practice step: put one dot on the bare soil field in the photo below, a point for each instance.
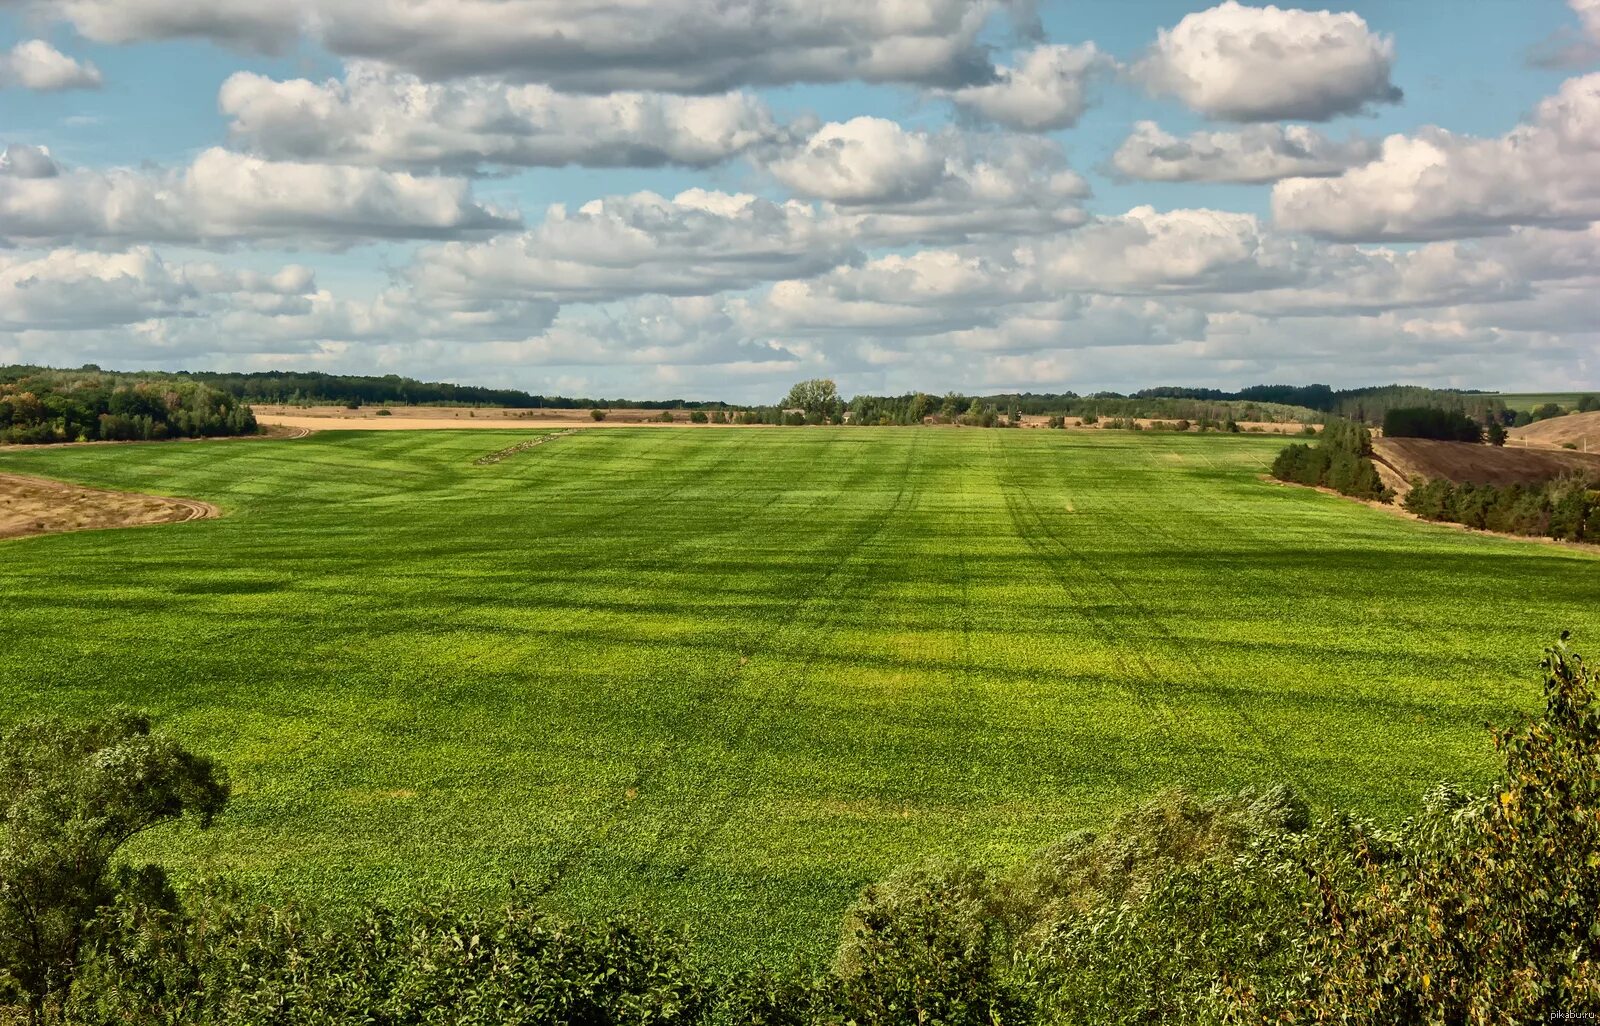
(35, 505)
(1580, 429)
(1400, 459)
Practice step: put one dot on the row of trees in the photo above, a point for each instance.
(1568, 509)
(1371, 405)
(1342, 460)
(1368, 405)
(311, 388)
(1239, 909)
(818, 401)
(86, 406)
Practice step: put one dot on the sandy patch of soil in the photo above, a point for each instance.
(36, 505)
(1580, 429)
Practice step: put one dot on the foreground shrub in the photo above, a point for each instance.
(1487, 912)
(71, 795)
(226, 960)
(927, 945)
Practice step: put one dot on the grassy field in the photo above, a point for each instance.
(727, 677)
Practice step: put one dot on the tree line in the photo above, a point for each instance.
(1567, 509)
(312, 388)
(88, 406)
(817, 401)
(1242, 908)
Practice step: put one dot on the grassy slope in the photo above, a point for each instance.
(729, 676)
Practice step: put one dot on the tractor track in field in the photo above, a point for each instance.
(829, 623)
(1017, 505)
(592, 521)
(1268, 741)
(619, 810)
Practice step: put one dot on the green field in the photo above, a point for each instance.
(726, 677)
(1526, 401)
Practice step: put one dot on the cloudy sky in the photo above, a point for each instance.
(712, 198)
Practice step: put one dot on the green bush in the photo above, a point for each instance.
(597, 414)
(227, 960)
(71, 796)
(65, 406)
(928, 945)
(1483, 909)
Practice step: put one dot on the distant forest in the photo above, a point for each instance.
(1274, 403)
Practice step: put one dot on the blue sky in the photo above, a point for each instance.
(898, 204)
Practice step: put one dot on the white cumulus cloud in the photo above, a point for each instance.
(669, 45)
(1436, 184)
(73, 289)
(377, 116)
(35, 64)
(696, 243)
(893, 185)
(1239, 63)
(224, 197)
(1048, 88)
(1255, 153)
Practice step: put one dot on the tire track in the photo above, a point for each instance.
(753, 642)
(725, 809)
(1170, 640)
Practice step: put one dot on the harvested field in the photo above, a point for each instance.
(1580, 429)
(1401, 459)
(32, 505)
(725, 678)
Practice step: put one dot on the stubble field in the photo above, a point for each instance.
(725, 678)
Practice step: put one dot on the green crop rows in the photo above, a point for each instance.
(725, 677)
